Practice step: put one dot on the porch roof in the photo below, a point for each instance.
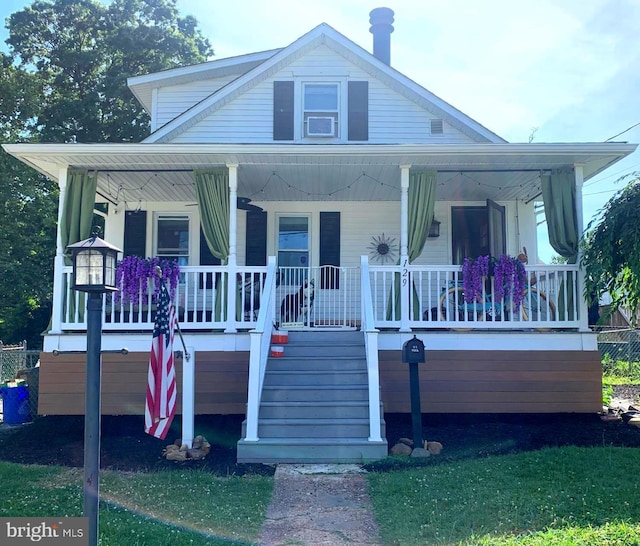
(333, 172)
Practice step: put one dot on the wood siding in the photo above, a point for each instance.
(221, 383)
(496, 382)
(451, 382)
(393, 118)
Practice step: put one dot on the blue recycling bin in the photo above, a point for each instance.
(15, 404)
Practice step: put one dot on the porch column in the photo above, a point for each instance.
(404, 248)
(58, 263)
(583, 309)
(232, 261)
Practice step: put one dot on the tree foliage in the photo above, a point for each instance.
(85, 51)
(64, 79)
(611, 248)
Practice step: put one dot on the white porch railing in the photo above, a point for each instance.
(436, 299)
(371, 347)
(200, 302)
(260, 343)
(552, 300)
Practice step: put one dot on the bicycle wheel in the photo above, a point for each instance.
(450, 305)
(536, 307)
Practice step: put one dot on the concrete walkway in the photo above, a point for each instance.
(314, 505)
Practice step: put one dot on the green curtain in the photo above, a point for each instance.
(77, 209)
(212, 194)
(76, 221)
(422, 200)
(559, 198)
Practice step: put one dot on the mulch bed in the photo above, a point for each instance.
(124, 445)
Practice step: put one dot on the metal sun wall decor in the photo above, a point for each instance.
(383, 249)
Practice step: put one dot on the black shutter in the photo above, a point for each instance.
(256, 238)
(135, 233)
(358, 117)
(283, 110)
(330, 249)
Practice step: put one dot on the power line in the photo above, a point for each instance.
(623, 132)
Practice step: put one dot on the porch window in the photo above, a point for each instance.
(320, 105)
(293, 247)
(172, 237)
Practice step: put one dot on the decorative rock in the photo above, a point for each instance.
(196, 453)
(177, 455)
(172, 447)
(401, 449)
(197, 442)
(434, 448)
(627, 415)
(406, 441)
(634, 421)
(420, 452)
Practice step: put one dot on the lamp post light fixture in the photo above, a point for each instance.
(94, 272)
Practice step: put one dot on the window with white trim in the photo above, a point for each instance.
(320, 109)
(172, 237)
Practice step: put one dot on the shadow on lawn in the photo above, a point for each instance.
(124, 445)
(467, 436)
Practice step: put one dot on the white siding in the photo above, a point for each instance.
(173, 100)
(393, 118)
(356, 227)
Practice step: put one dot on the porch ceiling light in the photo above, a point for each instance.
(94, 265)
(434, 230)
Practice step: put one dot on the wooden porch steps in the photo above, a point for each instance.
(315, 404)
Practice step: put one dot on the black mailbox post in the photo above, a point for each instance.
(413, 354)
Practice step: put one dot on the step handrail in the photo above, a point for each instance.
(371, 348)
(260, 341)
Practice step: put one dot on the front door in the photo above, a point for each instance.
(314, 295)
(294, 252)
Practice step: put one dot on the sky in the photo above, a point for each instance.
(547, 70)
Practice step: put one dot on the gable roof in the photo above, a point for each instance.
(142, 86)
(327, 35)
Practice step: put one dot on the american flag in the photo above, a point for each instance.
(160, 405)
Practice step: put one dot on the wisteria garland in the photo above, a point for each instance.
(133, 275)
(473, 273)
(510, 280)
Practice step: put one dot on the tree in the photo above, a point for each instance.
(85, 50)
(66, 77)
(611, 252)
(28, 212)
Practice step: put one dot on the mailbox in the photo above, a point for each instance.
(413, 351)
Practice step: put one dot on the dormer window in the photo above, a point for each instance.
(320, 109)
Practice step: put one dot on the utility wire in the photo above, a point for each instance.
(623, 132)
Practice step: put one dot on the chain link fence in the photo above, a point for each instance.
(620, 349)
(18, 362)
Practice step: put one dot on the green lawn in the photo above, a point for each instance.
(555, 496)
(154, 509)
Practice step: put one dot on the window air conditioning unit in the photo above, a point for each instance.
(321, 126)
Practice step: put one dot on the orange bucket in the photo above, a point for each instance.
(281, 337)
(277, 351)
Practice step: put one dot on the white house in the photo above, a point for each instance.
(316, 189)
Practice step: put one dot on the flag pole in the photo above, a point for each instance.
(184, 345)
(188, 381)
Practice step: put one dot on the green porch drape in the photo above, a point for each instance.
(76, 221)
(559, 198)
(212, 194)
(77, 209)
(422, 200)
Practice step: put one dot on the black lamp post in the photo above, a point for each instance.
(94, 272)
